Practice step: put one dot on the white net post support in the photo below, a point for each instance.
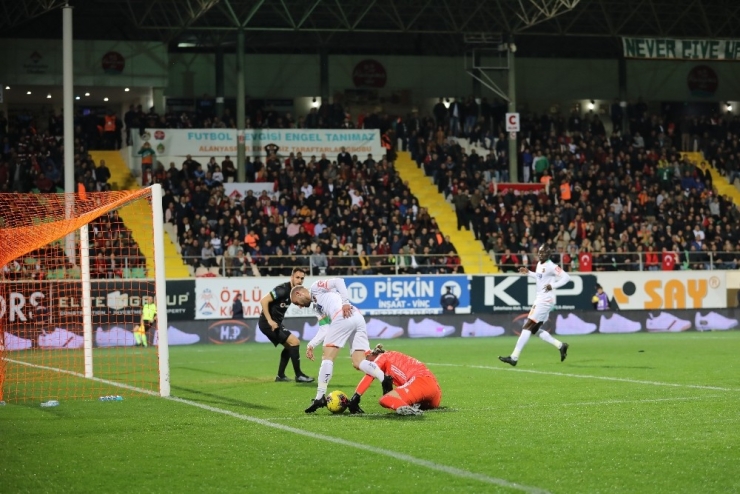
(160, 290)
(86, 300)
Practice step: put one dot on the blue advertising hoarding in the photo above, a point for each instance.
(436, 294)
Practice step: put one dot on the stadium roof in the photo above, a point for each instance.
(430, 27)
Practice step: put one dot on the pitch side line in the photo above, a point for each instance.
(457, 472)
(585, 376)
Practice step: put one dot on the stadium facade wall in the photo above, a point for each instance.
(96, 63)
(540, 82)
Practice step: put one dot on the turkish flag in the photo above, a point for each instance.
(669, 261)
(585, 262)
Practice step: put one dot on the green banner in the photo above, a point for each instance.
(681, 49)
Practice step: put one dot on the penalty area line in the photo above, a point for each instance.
(438, 467)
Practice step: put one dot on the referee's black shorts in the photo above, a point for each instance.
(276, 336)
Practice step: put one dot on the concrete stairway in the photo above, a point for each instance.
(122, 179)
(472, 254)
(723, 186)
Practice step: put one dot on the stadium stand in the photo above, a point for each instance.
(31, 161)
(658, 195)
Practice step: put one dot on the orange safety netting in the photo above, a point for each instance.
(43, 298)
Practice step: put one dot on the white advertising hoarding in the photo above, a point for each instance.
(222, 142)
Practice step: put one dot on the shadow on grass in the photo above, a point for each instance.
(214, 399)
(390, 415)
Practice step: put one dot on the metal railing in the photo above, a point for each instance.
(384, 265)
(633, 261)
(396, 264)
(336, 265)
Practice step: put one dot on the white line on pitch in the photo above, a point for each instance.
(585, 376)
(457, 472)
(610, 402)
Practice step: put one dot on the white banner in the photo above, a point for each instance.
(238, 190)
(659, 290)
(223, 142)
(215, 296)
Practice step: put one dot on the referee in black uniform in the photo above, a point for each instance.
(274, 306)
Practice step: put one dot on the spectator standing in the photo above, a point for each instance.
(600, 300)
(102, 175)
(148, 157)
(237, 309)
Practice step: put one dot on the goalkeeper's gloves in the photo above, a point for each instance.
(387, 384)
(354, 404)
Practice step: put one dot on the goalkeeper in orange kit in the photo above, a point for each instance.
(417, 388)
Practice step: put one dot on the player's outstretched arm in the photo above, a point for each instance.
(354, 402)
(318, 339)
(525, 270)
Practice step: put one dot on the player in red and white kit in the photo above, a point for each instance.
(330, 299)
(549, 276)
(417, 388)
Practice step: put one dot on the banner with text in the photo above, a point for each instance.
(239, 190)
(214, 297)
(681, 49)
(410, 294)
(111, 300)
(222, 142)
(657, 290)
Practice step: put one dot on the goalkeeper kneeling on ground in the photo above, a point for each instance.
(417, 388)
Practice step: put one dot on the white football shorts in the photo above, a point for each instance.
(540, 311)
(354, 329)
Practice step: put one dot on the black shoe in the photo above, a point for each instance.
(387, 384)
(283, 379)
(316, 404)
(354, 404)
(304, 379)
(508, 360)
(564, 351)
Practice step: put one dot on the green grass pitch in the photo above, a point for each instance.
(642, 413)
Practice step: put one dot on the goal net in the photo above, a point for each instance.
(76, 273)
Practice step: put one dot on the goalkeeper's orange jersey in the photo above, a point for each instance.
(401, 367)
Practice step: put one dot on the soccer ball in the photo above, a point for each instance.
(337, 402)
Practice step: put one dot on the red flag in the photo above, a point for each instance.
(585, 262)
(669, 261)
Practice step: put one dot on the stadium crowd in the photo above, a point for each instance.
(32, 161)
(344, 216)
(624, 197)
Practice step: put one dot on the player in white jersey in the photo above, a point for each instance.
(549, 276)
(331, 300)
